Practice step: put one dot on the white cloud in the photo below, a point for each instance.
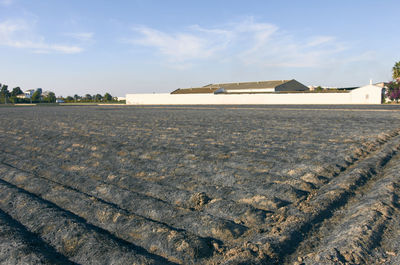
(81, 36)
(284, 50)
(20, 34)
(6, 2)
(56, 48)
(248, 42)
(181, 47)
(319, 40)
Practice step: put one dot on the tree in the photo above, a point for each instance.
(107, 97)
(16, 91)
(37, 96)
(4, 94)
(87, 97)
(393, 91)
(50, 98)
(40, 90)
(396, 70)
(76, 97)
(98, 97)
(69, 99)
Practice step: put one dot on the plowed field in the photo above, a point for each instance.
(200, 185)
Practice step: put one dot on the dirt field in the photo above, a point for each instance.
(200, 185)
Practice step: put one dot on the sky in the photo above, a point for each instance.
(156, 46)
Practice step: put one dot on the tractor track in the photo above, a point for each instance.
(355, 227)
(70, 235)
(309, 232)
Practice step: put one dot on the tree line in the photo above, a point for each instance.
(39, 96)
(107, 97)
(12, 97)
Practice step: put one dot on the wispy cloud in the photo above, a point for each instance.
(81, 36)
(284, 50)
(183, 46)
(6, 2)
(20, 34)
(319, 40)
(247, 41)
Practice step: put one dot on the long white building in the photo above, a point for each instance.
(237, 95)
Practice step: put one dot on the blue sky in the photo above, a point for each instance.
(144, 46)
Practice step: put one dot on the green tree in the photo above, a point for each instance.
(37, 96)
(50, 98)
(87, 98)
(69, 99)
(98, 97)
(76, 97)
(16, 91)
(396, 70)
(107, 97)
(4, 94)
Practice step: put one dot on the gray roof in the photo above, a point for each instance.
(247, 85)
(211, 88)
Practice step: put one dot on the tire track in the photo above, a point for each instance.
(321, 206)
(239, 204)
(357, 228)
(157, 238)
(152, 208)
(233, 208)
(240, 213)
(293, 224)
(19, 246)
(68, 234)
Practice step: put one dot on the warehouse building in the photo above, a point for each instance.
(264, 92)
(246, 87)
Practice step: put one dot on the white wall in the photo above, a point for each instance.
(250, 90)
(364, 95)
(369, 94)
